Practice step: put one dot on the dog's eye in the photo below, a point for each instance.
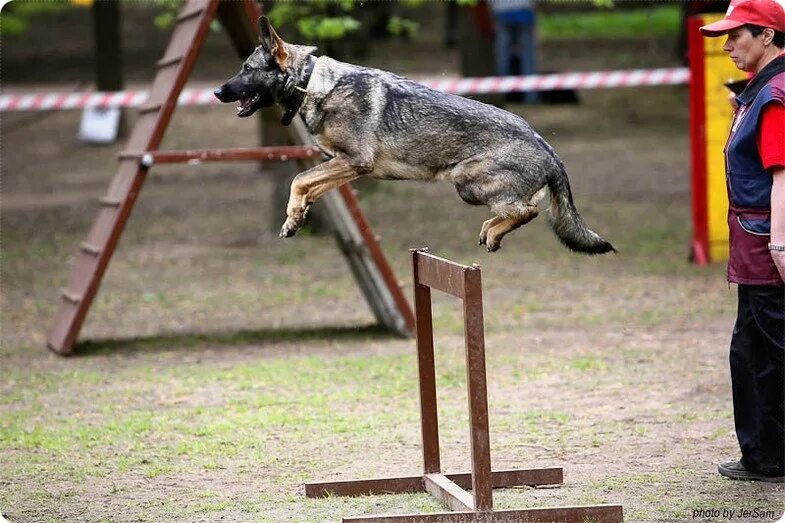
(246, 68)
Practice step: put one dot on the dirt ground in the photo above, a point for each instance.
(221, 368)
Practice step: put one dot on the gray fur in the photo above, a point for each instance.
(375, 123)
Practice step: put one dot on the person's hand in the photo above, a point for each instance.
(779, 261)
(778, 217)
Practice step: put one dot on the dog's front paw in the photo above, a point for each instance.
(483, 238)
(289, 229)
(493, 245)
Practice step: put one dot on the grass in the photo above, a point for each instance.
(657, 21)
(184, 420)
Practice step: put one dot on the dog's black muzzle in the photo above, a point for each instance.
(250, 99)
(225, 95)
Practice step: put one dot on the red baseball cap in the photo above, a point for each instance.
(765, 13)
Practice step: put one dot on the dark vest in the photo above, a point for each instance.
(749, 184)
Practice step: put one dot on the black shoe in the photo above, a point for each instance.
(735, 470)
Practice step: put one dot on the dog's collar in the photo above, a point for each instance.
(296, 96)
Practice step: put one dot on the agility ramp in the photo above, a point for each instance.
(352, 231)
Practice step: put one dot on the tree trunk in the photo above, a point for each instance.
(475, 45)
(108, 50)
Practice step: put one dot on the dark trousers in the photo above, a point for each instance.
(757, 365)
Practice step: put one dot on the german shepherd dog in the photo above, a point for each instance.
(374, 123)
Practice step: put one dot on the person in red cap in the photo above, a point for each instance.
(755, 175)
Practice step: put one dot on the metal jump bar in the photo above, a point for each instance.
(463, 282)
(280, 153)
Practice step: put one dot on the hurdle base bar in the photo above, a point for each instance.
(451, 489)
(593, 513)
(410, 484)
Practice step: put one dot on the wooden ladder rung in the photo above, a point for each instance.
(106, 201)
(129, 155)
(189, 14)
(145, 159)
(150, 108)
(70, 297)
(166, 62)
(89, 248)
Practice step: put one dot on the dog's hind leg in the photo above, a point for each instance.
(515, 216)
(309, 185)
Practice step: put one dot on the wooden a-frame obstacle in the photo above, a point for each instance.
(352, 231)
(432, 272)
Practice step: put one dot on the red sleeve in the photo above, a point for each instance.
(771, 136)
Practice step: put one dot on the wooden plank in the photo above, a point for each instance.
(364, 487)
(256, 154)
(513, 478)
(440, 274)
(477, 389)
(168, 61)
(429, 419)
(499, 478)
(593, 513)
(106, 201)
(90, 248)
(448, 492)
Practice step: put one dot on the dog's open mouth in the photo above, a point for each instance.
(248, 105)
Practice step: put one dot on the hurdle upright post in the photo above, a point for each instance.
(474, 334)
(429, 419)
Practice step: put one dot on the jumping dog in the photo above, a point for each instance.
(374, 123)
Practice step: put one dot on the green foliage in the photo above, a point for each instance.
(399, 26)
(169, 9)
(662, 20)
(327, 28)
(316, 20)
(15, 16)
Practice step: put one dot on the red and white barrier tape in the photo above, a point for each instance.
(463, 86)
(549, 82)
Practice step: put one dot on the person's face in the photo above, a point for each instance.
(744, 49)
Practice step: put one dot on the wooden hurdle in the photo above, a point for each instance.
(463, 282)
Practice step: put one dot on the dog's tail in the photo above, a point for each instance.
(565, 220)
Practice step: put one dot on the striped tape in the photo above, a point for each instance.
(462, 86)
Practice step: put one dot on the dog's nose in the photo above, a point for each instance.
(219, 93)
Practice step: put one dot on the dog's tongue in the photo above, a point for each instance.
(243, 102)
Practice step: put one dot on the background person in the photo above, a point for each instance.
(514, 26)
(755, 167)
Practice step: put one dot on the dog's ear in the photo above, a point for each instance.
(272, 43)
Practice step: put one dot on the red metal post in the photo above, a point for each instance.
(700, 218)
